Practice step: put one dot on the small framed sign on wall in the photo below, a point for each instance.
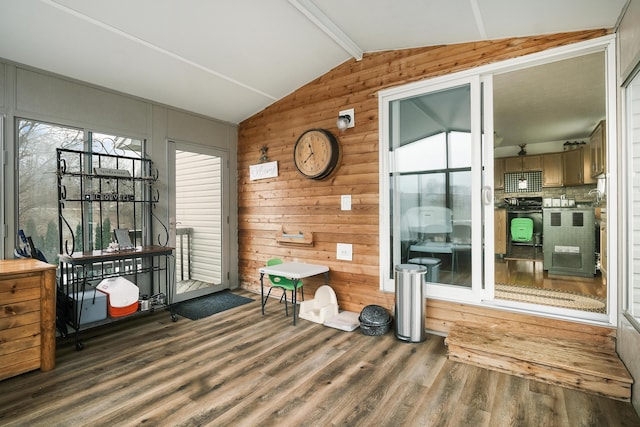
(263, 170)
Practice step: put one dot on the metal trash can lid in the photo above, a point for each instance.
(374, 315)
(408, 268)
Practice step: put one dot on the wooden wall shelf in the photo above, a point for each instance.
(298, 238)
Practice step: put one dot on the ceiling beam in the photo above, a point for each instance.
(478, 17)
(322, 21)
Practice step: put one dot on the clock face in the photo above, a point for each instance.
(316, 153)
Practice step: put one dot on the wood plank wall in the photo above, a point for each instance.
(264, 206)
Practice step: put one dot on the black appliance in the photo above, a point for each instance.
(569, 248)
(524, 203)
(525, 207)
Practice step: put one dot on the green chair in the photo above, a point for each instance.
(283, 283)
(522, 230)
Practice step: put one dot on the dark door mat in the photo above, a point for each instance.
(201, 307)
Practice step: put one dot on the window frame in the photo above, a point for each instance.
(87, 145)
(404, 92)
(627, 225)
(604, 44)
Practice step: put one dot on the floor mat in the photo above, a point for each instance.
(556, 298)
(201, 307)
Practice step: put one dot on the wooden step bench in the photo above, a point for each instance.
(562, 362)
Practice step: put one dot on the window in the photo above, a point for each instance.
(37, 183)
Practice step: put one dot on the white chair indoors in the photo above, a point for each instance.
(323, 306)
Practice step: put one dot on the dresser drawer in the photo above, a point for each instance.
(19, 288)
(21, 361)
(19, 338)
(20, 347)
(19, 314)
(27, 316)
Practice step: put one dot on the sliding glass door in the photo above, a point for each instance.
(440, 206)
(433, 185)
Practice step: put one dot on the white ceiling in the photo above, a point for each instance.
(231, 59)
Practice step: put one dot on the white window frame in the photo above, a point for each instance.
(605, 43)
(387, 283)
(627, 225)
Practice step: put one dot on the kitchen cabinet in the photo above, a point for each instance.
(577, 167)
(597, 142)
(498, 174)
(523, 163)
(500, 231)
(27, 316)
(552, 170)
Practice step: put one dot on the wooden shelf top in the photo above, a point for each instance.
(23, 265)
(101, 255)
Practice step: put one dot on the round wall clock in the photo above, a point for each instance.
(316, 153)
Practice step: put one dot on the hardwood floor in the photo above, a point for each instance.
(241, 368)
(528, 273)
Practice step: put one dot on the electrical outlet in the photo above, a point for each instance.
(344, 251)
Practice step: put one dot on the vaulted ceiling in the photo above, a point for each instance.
(231, 59)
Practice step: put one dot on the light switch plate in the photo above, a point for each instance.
(345, 251)
(345, 202)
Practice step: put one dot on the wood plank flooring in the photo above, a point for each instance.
(241, 368)
(528, 273)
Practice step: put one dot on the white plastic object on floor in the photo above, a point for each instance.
(345, 321)
(323, 305)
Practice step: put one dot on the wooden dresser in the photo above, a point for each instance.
(27, 316)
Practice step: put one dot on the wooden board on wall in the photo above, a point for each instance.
(265, 206)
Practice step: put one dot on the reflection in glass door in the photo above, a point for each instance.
(197, 223)
(435, 185)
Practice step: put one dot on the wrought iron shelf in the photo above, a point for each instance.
(99, 191)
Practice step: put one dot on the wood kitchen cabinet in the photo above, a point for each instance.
(523, 163)
(500, 231)
(552, 170)
(577, 167)
(597, 142)
(27, 316)
(498, 174)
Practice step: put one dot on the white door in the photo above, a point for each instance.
(198, 219)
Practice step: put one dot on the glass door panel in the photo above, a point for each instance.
(197, 226)
(434, 186)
